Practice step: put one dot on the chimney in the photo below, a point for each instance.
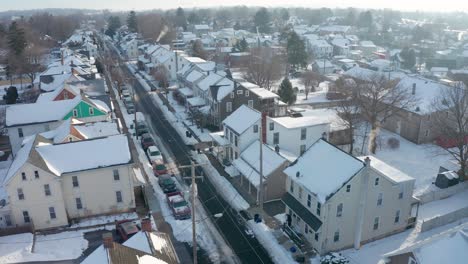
(413, 92)
(367, 161)
(277, 149)
(146, 225)
(108, 240)
(61, 58)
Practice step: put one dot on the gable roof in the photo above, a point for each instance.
(391, 173)
(241, 119)
(41, 112)
(323, 169)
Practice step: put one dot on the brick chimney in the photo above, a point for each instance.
(108, 240)
(146, 225)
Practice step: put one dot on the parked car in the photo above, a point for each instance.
(141, 128)
(159, 169)
(180, 208)
(126, 94)
(130, 108)
(146, 141)
(154, 155)
(167, 183)
(126, 229)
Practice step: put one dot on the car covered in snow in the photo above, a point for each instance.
(154, 155)
(146, 141)
(180, 208)
(159, 169)
(126, 229)
(167, 183)
(126, 94)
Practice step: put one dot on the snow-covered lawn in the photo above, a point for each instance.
(372, 253)
(265, 236)
(223, 186)
(444, 206)
(421, 162)
(61, 246)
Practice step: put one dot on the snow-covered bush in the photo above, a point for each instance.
(334, 258)
(393, 143)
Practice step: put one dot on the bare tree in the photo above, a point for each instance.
(450, 121)
(161, 74)
(378, 99)
(348, 110)
(263, 68)
(310, 80)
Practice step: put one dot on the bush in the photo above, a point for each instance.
(393, 143)
(334, 258)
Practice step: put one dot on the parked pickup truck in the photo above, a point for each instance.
(126, 229)
(180, 208)
(167, 183)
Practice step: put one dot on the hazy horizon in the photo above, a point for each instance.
(119, 5)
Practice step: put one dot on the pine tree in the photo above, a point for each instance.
(297, 54)
(262, 20)
(16, 39)
(132, 22)
(241, 46)
(286, 92)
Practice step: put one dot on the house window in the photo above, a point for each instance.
(91, 111)
(250, 103)
(302, 149)
(303, 133)
(118, 195)
(65, 94)
(47, 190)
(228, 107)
(231, 137)
(306, 229)
(336, 237)
(8, 220)
(300, 192)
(276, 138)
(20, 132)
(339, 210)
(400, 195)
(379, 199)
(240, 92)
(376, 223)
(426, 133)
(376, 182)
(317, 235)
(75, 112)
(319, 207)
(169, 67)
(75, 181)
(247, 93)
(23, 176)
(235, 141)
(79, 205)
(26, 217)
(232, 95)
(291, 187)
(236, 155)
(70, 139)
(255, 128)
(272, 126)
(36, 174)
(309, 198)
(348, 188)
(20, 194)
(52, 213)
(397, 216)
(116, 175)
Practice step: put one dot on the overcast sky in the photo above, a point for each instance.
(424, 5)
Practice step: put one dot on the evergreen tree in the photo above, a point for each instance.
(198, 50)
(180, 19)
(284, 14)
(193, 18)
(11, 95)
(113, 25)
(297, 54)
(262, 20)
(365, 19)
(286, 92)
(16, 39)
(241, 46)
(409, 58)
(132, 22)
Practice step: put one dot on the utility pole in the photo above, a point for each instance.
(193, 201)
(260, 188)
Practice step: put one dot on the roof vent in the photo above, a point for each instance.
(277, 149)
(298, 174)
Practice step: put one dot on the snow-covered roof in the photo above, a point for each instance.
(97, 129)
(367, 43)
(58, 81)
(393, 174)
(299, 122)
(85, 155)
(263, 93)
(241, 119)
(323, 169)
(39, 112)
(21, 157)
(368, 75)
(341, 42)
(211, 79)
(186, 91)
(335, 28)
(196, 101)
(249, 162)
(321, 43)
(324, 64)
(219, 138)
(226, 86)
(194, 76)
(201, 27)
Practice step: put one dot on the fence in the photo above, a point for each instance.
(442, 193)
(444, 219)
(15, 230)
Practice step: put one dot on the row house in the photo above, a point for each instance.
(23, 120)
(335, 201)
(49, 185)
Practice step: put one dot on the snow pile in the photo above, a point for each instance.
(278, 253)
(223, 186)
(61, 246)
